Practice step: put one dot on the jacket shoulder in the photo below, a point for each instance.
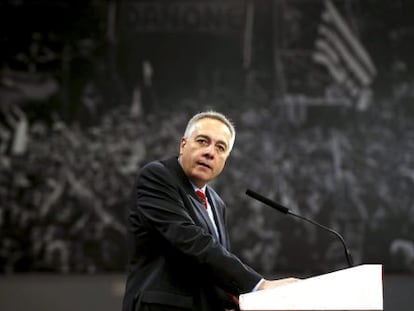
(160, 174)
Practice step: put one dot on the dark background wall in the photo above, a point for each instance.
(92, 90)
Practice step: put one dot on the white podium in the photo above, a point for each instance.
(357, 288)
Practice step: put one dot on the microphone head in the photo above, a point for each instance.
(267, 201)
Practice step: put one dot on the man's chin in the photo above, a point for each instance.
(201, 179)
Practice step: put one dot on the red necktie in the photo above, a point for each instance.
(203, 197)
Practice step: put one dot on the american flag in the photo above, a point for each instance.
(339, 50)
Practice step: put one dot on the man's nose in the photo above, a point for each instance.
(209, 151)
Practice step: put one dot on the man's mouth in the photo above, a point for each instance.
(204, 164)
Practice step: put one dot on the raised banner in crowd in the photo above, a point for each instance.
(216, 17)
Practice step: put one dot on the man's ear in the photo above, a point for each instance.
(182, 144)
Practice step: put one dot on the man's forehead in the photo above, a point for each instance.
(216, 131)
(203, 124)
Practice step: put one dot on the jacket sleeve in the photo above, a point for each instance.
(160, 203)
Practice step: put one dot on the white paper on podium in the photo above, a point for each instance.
(356, 288)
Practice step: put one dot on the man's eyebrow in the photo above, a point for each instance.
(203, 136)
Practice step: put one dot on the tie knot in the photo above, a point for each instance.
(203, 197)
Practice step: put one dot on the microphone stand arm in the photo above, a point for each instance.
(347, 253)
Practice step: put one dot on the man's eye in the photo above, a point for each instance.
(221, 148)
(202, 141)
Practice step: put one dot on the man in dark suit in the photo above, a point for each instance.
(180, 245)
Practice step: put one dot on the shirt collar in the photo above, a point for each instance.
(203, 189)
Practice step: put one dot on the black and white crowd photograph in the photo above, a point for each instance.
(113, 113)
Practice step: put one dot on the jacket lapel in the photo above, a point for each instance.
(219, 215)
(202, 214)
(197, 204)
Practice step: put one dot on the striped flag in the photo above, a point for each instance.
(339, 50)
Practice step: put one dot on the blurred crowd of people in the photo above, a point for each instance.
(64, 191)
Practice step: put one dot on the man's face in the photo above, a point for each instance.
(204, 153)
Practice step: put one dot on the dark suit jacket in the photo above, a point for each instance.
(177, 261)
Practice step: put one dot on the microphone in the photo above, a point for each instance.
(285, 210)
